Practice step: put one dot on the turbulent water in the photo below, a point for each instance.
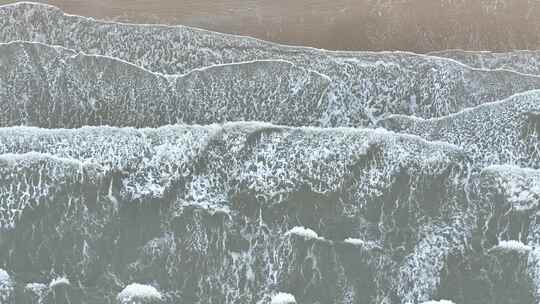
(161, 164)
(365, 85)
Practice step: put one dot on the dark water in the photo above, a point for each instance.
(419, 25)
(243, 212)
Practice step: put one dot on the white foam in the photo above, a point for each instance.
(357, 242)
(514, 246)
(5, 279)
(303, 232)
(137, 291)
(37, 289)
(35, 286)
(283, 298)
(60, 281)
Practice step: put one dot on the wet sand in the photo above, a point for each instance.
(414, 25)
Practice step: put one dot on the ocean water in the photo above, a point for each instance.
(415, 25)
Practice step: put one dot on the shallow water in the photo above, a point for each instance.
(420, 25)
